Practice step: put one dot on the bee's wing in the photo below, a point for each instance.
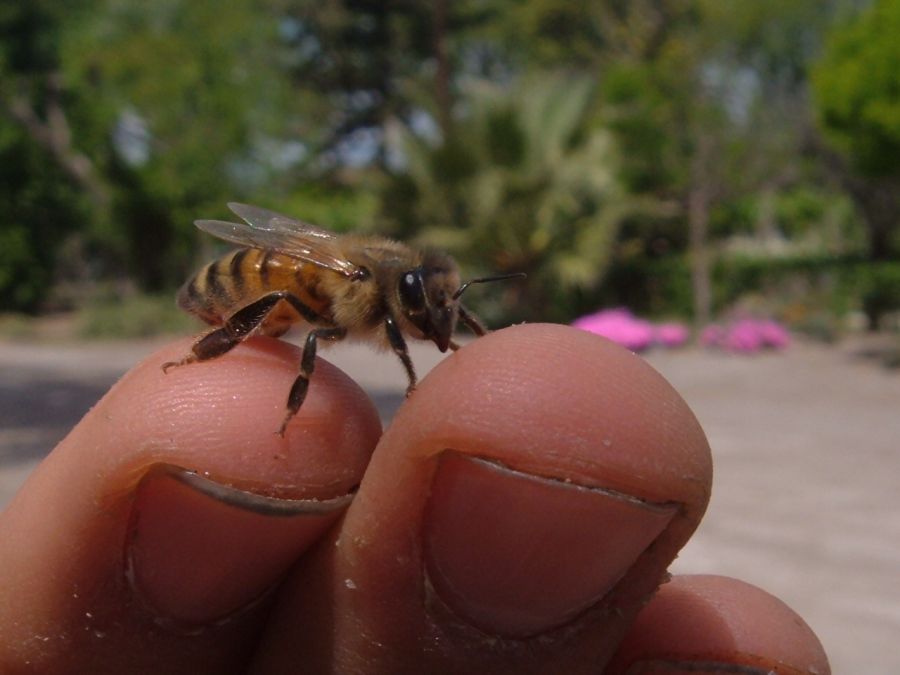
(269, 230)
(264, 219)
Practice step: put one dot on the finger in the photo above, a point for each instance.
(147, 538)
(524, 503)
(709, 624)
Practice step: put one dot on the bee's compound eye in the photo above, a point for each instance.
(412, 291)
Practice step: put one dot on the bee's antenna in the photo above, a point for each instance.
(499, 277)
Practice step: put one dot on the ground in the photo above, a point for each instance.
(806, 444)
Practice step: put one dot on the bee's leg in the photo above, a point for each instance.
(471, 321)
(238, 328)
(307, 365)
(398, 344)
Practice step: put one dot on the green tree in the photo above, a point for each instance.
(359, 65)
(185, 97)
(152, 113)
(708, 102)
(857, 88)
(48, 184)
(522, 185)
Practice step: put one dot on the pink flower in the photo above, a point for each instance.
(712, 335)
(746, 336)
(620, 326)
(774, 334)
(672, 334)
(743, 336)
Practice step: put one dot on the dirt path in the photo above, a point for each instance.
(806, 502)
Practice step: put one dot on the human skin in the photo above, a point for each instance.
(516, 517)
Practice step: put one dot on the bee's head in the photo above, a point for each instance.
(427, 299)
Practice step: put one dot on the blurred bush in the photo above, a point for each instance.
(880, 290)
(136, 316)
(521, 184)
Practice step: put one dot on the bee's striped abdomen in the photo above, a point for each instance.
(225, 285)
(221, 286)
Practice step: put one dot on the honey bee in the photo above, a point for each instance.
(357, 286)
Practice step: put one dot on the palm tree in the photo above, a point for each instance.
(523, 183)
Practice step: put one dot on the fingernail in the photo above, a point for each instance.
(198, 550)
(516, 554)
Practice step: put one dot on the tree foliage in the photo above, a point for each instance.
(184, 95)
(521, 185)
(45, 178)
(616, 151)
(857, 86)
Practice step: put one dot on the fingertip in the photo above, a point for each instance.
(553, 398)
(226, 413)
(535, 487)
(551, 402)
(197, 553)
(705, 623)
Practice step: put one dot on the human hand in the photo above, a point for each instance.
(519, 511)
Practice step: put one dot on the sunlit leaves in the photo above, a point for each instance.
(533, 184)
(857, 88)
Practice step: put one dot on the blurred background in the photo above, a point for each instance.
(682, 158)
(667, 172)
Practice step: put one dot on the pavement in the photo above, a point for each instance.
(806, 444)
